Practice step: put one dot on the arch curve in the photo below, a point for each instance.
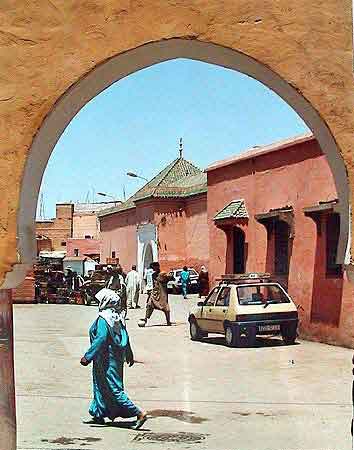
(142, 57)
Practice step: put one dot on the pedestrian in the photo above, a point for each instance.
(117, 284)
(68, 279)
(158, 298)
(149, 284)
(203, 282)
(185, 281)
(78, 281)
(133, 287)
(110, 348)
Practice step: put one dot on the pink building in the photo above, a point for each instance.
(166, 220)
(83, 247)
(273, 209)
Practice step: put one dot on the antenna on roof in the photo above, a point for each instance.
(180, 148)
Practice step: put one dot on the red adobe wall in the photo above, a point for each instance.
(118, 233)
(182, 232)
(85, 246)
(197, 232)
(170, 219)
(59, 229)
(298, 176)
(85, 225)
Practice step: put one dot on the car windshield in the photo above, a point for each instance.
(261, 294)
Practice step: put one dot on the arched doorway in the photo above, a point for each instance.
(148, 257)
(239, 250)
(122, 65)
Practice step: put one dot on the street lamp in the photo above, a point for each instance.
(103, 194)
(134, 175)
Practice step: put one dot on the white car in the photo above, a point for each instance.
(243, 306)
(175, 286)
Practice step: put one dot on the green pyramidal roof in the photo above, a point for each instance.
(180, 178)
(233, 210)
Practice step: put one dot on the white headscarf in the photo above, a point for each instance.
(110, 308)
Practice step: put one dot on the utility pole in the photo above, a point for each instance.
(41, 207)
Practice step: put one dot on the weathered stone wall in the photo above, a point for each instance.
(46, 47)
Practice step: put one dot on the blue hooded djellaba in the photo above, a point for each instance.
(110, 348)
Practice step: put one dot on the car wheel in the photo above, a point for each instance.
(288, 335)
(230, 336)
(195, 332)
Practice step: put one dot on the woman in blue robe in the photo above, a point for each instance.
(110, 348)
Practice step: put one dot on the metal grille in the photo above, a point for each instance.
(170, 437)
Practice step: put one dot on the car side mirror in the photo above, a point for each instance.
(200, 304)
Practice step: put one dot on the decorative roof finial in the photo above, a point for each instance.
(180, 148)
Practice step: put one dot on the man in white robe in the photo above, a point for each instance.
(133, 288)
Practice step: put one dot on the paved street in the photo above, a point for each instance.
(200, 395)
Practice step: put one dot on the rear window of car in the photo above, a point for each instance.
(261, 294)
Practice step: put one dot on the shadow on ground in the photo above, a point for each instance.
(260, 342)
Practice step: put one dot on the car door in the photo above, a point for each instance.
(206, 321)
(219, 311)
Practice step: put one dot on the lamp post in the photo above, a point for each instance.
(134, 175)
(103, 194)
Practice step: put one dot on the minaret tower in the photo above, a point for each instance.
(180, 148)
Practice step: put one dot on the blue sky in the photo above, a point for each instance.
(135, 125)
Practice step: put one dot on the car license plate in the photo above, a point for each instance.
(269, 328)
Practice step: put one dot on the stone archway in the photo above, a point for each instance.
(123, 65)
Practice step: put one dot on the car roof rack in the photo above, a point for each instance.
(245, 277)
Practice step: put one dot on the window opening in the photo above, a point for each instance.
(239, 250)
(281, 260)
(332, 238)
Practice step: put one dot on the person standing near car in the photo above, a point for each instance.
(185, 281)
(203, 282)
(133, 286)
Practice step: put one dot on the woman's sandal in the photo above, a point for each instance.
(96, 421)
(140, 422)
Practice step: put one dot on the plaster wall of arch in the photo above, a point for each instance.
(139, 58)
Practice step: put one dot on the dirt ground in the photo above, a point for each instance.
(200, 395)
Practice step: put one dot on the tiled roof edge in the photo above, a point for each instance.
(255, 152)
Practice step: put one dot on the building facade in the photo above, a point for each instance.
(166, 220)
(273, 209)
(53, 233)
